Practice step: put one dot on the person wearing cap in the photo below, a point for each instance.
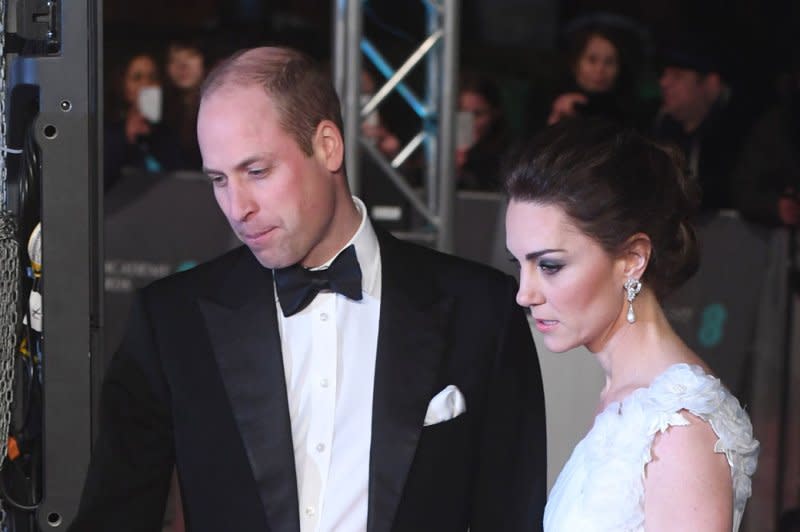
(700, 115)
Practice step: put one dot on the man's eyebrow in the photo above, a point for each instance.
(244, 163)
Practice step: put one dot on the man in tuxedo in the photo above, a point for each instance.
(325, 376)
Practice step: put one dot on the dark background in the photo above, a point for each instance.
(519, 42)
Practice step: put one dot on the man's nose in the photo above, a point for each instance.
(241, 202)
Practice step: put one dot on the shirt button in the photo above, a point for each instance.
(310, 511)
(323, 316)
(324, 383)
(320, 447)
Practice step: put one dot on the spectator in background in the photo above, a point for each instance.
(598, 76)
(702, 116)
(186, 70)
(135, 137)
(766, 182)
(478, 165)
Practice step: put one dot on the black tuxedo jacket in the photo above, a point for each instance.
(199, 383)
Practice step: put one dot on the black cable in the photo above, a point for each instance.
(6, 498)
(28, 431)
(28, 186)
(27, 407)
(29, 362)
(28, 201)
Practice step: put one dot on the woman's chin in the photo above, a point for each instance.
(555, 346)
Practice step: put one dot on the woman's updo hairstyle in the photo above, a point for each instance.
(613, 183)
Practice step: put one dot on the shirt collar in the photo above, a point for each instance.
(367, 251)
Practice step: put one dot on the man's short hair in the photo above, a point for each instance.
(302, 93)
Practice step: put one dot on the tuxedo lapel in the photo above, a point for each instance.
(411, 343)
(242, 324)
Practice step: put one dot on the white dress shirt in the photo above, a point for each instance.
(329, 351)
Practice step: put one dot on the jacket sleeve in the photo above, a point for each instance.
(512, 472)
(132, 458)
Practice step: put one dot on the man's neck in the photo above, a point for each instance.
(690, 126)
(703, 113)
(343, 227)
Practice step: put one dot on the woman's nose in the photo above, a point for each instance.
(528, 294)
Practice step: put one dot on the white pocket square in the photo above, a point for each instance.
(445, 406)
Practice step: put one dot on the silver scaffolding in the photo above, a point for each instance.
(436, 109)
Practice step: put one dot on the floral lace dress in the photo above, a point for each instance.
(601, 487)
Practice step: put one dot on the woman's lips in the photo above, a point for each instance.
(545, 325)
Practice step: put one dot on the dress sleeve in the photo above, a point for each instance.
(689, 388)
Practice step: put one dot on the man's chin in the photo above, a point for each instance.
(270, 261)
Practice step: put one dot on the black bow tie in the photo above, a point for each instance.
(297, 286)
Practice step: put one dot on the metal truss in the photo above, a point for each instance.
(436, 109)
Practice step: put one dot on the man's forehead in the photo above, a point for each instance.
(683, 72)
(226, 89)
(234, 99)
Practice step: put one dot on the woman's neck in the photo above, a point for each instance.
(635, 353)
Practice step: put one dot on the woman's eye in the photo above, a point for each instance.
(550, 268)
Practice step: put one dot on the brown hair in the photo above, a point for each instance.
(579, 41)
(613, 183)
(299, 89)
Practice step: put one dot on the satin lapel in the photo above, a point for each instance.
(243, 328)
(411, 342)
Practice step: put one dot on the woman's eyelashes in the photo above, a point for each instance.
(550, 267)
(547, 266)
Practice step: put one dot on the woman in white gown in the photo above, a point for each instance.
(598, 219)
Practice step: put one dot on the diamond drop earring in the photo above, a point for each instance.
(632, 288)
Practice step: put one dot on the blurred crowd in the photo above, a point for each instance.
(743, 151)
(151, 110)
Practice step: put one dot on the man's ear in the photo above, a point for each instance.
(636, 255)
(329, 145)
(713, 83)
